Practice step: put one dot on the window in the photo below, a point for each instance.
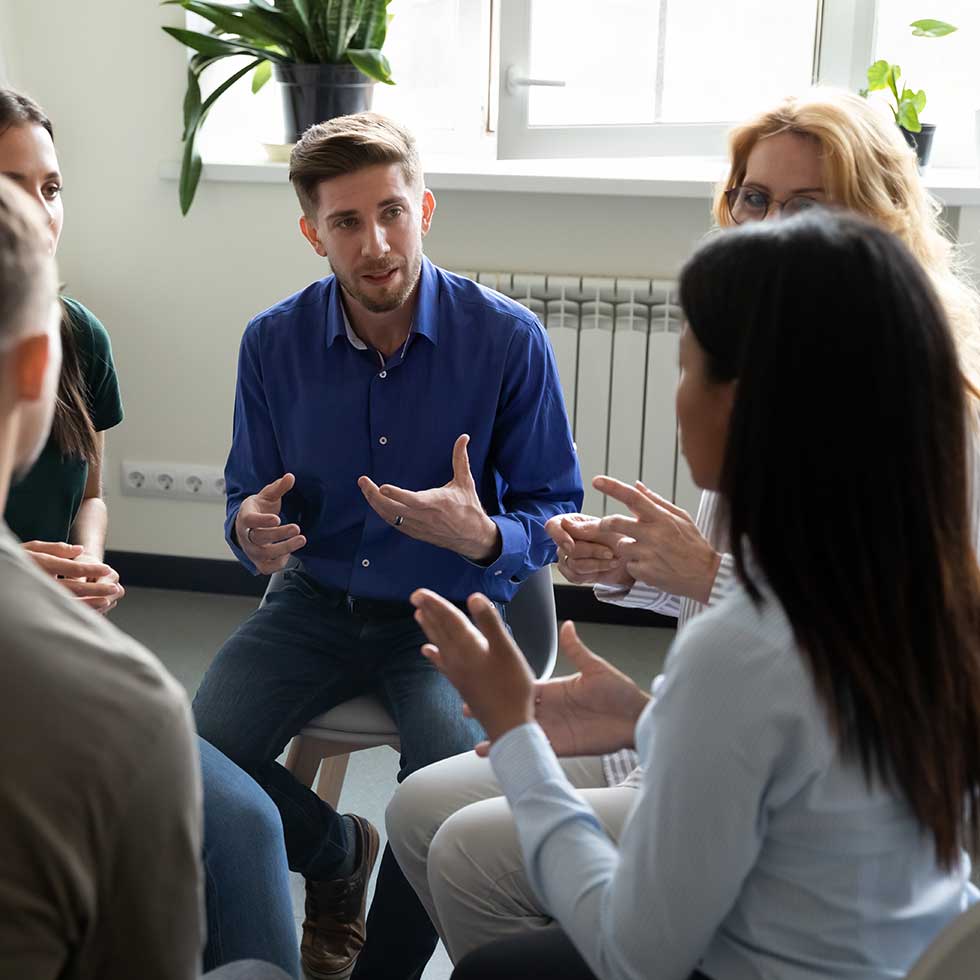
(944, 67)
(439, 52)
(652, 77)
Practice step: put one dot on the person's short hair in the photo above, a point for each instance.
(26, 266)
(345, 145)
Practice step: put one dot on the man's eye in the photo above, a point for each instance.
(395, 212)
(51, 191)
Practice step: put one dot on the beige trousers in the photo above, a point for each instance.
(454, 837)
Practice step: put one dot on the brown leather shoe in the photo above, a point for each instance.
(333, 931)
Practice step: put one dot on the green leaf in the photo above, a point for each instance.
(894, 73)
(343, 18)
(262, 74)
(908, 118)
(190, 174)
(302, 8)
(374, 26)
(373, 63)
(190, 167)
(931, 28)
(220, 47)
(192, 103)
(878, 75)
(919, 100)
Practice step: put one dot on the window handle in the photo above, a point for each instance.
(515, 81)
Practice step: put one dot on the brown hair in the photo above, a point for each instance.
(347, 144)
(72, 428)
(25, 266)
(870, 170)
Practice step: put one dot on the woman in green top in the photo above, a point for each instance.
(56, 508)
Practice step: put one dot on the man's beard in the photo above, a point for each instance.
(391, 301)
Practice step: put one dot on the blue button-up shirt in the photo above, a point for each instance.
(312, 403)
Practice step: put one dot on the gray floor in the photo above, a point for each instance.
(185, 629)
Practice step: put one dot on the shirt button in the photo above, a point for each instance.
(383, 440)
(496, 573)
(365, 563)
(384, 374)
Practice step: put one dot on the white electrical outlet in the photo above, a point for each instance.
(178, 481)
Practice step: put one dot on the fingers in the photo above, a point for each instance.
(555, 528)
(92, 590)
(382, 504)
(272, 535)
(588, 567)
(635, 500)
(488, 620)
(440, 619)
(482, 749)
(431, 652)
(275, 491)
(623, 527)
(572, 647)
(587, 549)
(68, 569)
(57, 549)
(281, 550)
(461, 462)
(662, 502)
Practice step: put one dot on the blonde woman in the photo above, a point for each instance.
(824, 148)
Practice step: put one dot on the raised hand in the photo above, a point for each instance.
(661, 545)
(93, 582)
(586, 553)
(260, 532)
(594, 710)
(482, 661)
(450, 516)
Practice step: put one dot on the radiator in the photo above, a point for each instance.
(615, 342)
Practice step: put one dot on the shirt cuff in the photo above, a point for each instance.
(523, 759)
(724, 578)
(513, 549)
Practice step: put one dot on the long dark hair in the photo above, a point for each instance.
(846, 476)
(72, 428)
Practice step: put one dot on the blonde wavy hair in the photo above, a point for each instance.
(871, 170)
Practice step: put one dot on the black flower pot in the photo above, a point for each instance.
(314, 93)
(920, 142)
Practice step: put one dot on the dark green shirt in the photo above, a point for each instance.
(43, 505)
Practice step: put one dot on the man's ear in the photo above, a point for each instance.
(310, 234)
(29, 358)
(428, 210)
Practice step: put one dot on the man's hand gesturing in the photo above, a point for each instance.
(261, 534)
(450, 516)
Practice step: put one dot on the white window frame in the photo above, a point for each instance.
(843, 47)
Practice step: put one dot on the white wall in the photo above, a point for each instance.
(176, 292)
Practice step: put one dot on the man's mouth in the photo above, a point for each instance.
(381, 278)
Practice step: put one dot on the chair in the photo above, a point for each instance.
(955, 953)
(326, 743)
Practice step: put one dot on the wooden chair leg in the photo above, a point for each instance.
(331, 781)
(303, 759)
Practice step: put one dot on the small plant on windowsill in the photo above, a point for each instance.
(325, 54)
(908, 103)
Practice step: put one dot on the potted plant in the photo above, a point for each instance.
(326, 55)
(908, 103)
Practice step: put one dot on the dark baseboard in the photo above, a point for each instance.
(230, 578)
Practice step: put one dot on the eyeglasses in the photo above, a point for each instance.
(751, 204)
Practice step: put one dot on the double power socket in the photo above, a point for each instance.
(178, 481)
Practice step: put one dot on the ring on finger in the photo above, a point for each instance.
(398, 521)
(248, 534)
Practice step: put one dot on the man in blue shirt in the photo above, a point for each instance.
(396, 427)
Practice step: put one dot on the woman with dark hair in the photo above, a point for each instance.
(812, 757)
(57, 510)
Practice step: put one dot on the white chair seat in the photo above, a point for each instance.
(364, 715)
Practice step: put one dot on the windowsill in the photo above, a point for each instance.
(679, 177)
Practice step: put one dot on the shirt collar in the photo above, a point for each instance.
(424, 322)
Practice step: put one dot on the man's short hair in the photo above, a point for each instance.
(347, 144)
(26, 266)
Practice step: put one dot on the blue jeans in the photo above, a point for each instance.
(299, 654)
(246, 881)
